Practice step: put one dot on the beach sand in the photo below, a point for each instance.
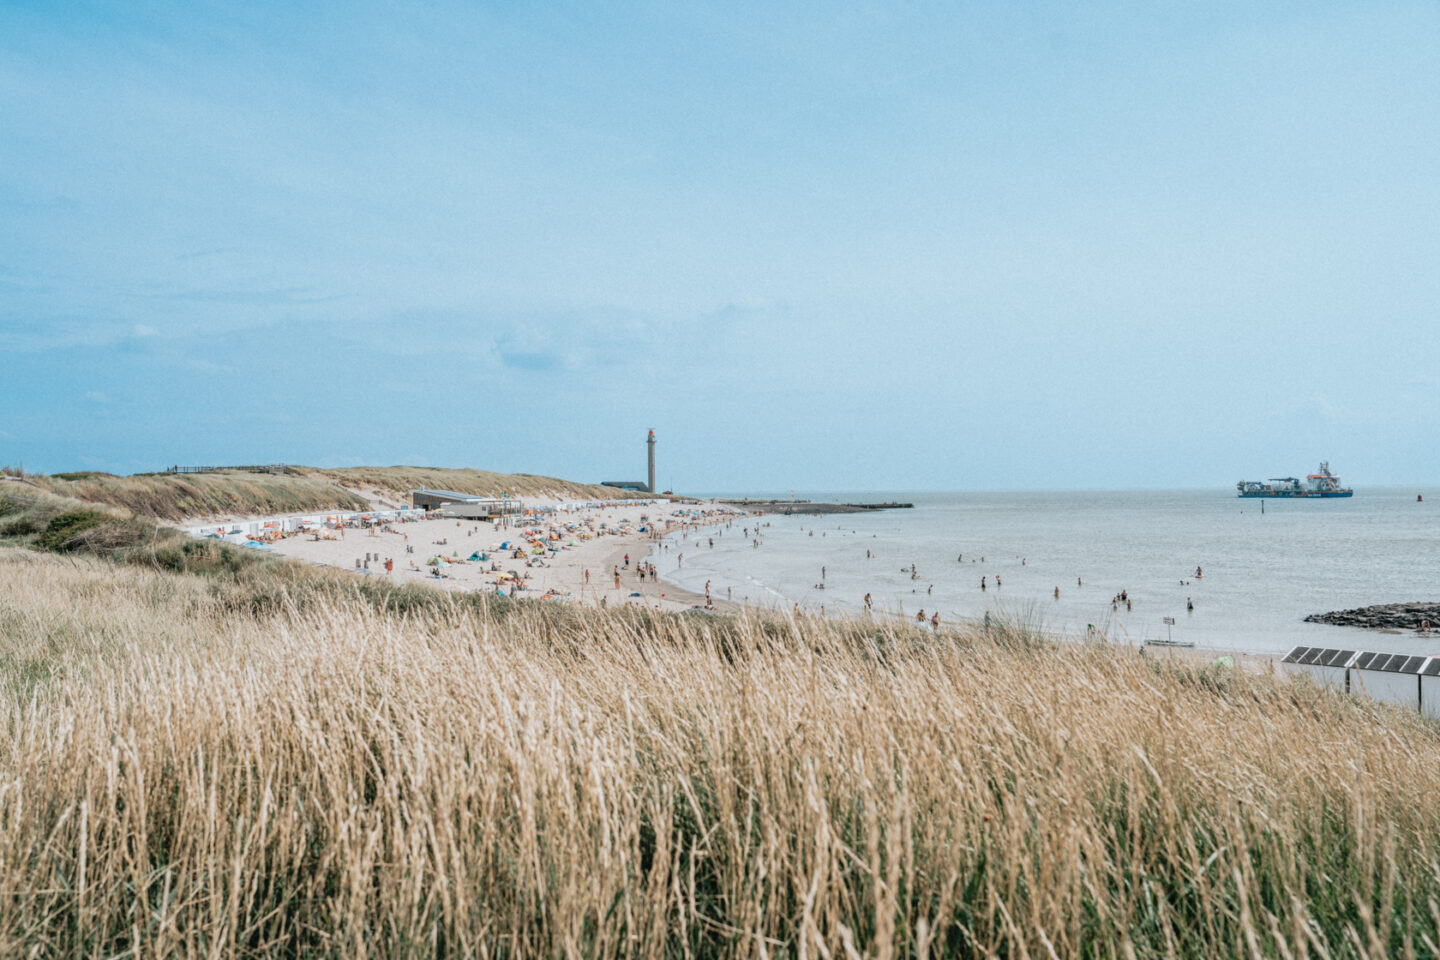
(564, 572)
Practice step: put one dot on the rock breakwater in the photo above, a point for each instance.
(1394, 616)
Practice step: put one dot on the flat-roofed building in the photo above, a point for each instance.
(466, 506)
(434, 499)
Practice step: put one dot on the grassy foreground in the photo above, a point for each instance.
(324, 776)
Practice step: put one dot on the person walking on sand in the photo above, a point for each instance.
(935, 620)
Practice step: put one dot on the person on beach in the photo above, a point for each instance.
(920, 617)
(935, 620)
(982, 584)
(868, 606)
(1057, 593)
(1189, 604)
(1199, 574)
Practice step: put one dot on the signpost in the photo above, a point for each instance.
(1169, 622)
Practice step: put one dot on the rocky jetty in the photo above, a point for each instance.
(810, 507)
(1393, 616)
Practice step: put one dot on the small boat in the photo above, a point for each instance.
(1169, 643)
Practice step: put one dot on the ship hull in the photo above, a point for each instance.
(1297, 494)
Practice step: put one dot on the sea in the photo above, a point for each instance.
(1231, 575)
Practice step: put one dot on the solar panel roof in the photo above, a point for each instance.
(1390, 663)
(1319, 656)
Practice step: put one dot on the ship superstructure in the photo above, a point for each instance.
(1321, 483)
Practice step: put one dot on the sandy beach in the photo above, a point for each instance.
(584, 548)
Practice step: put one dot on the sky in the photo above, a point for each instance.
(891, 246)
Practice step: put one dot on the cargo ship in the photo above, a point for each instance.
(1321, 483)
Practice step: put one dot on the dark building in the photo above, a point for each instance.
(434, 499)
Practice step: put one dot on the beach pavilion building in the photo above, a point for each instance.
(466, 506)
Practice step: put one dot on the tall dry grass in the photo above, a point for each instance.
(226, 492)
(399, 480)
(241, 493)
(333, 780)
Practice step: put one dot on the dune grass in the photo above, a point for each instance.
(174, 497)
(400, 480)
(315, 775)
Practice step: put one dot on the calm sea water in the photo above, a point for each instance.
(1262, 572)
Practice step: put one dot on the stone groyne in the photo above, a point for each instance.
(1381, 616)
(808, 507)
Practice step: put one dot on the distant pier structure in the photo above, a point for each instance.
(640, 485)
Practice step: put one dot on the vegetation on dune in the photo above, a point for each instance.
(242, 580)
(217, 751)
(400, 480)
(178, 496)
(175, 497)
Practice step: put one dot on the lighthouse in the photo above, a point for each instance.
(650, 446)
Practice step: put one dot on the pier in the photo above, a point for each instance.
(808, 507)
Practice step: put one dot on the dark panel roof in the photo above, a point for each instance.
(446, 495)
(1390, 663)
(1320, 656)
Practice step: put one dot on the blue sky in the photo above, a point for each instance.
(890, 246)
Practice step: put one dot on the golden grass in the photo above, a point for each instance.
(240, 493)
(328, 779)
(401, 480)
(178, 496)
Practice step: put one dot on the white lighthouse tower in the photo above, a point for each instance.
(650, 445)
